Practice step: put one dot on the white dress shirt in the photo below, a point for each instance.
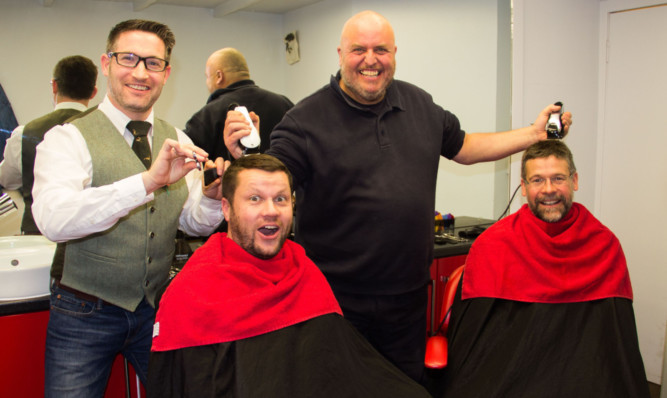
(65, 205)
(10, 167)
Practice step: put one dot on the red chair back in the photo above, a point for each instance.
(436, 345)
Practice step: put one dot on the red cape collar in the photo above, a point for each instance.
(224, 293)
(523, 258)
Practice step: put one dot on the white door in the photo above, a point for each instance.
(632, 163)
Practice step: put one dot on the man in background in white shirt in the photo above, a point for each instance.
(118, 213)
(72, 78)
(73, 86)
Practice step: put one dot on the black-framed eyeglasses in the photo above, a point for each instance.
(558, 180)
(131, 60)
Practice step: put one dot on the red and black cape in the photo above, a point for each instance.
(544, 310)
(232, 325)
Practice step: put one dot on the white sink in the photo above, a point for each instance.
(25, 263)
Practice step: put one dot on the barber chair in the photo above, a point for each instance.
(436, 344)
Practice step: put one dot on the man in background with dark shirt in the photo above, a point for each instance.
(228, 81)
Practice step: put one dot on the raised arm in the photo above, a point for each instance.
(483, 147)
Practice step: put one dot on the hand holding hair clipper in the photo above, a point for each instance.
(555, 124)
(250, 143)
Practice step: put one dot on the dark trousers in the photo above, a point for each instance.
(394, 324)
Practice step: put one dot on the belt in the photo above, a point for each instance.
(77, 293)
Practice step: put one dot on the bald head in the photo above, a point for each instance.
(224, 67)
(366, 22)
(366, 56)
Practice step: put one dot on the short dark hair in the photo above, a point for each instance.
(76, 77)
(544, 149)
(161, 30)
(256, 162)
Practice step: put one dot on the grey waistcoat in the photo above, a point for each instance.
(131, 260)
(33, 134)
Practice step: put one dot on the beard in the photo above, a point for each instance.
(356, 87)
(368, 96)
(550, 214)
(245, 237)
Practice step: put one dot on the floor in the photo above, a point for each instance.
(654, 390)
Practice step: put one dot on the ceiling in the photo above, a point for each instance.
(221, 8)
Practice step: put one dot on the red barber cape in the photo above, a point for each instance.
(225, 294)
(523, 258)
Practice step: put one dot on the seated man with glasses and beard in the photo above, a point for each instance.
(544, 307)
(251, 316)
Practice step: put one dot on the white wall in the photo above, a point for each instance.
(34, 38)
(448, 48)
(555, 58)
(632, 100)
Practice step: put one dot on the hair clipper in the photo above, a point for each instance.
(250, 143)
(555, 124)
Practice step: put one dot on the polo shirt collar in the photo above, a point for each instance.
(392, 100)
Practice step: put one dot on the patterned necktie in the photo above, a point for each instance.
(140, 144)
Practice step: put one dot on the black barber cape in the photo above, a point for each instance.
(232, 325)
(324, 357)
(509, 349)
(559, 324)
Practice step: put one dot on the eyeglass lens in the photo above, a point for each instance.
(556, 180)
(131, 60)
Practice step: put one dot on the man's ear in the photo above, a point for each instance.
(523, 188)
(220, 78)
(104, 61)
(575, 181)
(225, 208)
(167, 72)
